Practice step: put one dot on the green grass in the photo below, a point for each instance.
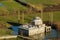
(28, 17)
(11, 7)
(39, 1)
(43, 1)
(5, 31)
(46, 16)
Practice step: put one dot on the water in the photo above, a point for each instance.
(52, 34)
(15, 30)
(43, 36)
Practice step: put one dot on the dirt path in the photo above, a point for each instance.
(9, 36)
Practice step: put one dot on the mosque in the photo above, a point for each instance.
(35, 27)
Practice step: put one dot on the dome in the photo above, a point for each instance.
(37, 21)
(37, 18)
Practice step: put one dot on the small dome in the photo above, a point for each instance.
(37, 21)
(37, 18)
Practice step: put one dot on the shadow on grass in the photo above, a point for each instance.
(22, 3)
(14, 24)
(48, 23)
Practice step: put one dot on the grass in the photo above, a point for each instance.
(39, 1)
(45, 15)
(10, 7)
(43, 1)
(5, 31)
(28, 17)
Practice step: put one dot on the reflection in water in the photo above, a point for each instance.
(52, 34)
(47, 36)
(43, 36)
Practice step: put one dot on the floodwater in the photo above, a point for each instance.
(53, 35)
(15, 30)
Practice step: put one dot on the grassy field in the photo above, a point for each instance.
(28, 17)
(5, 31)
(43, 1)
(14, 18)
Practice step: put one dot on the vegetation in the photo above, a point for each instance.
(5, 31)
(42, 1)
(9, 13)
